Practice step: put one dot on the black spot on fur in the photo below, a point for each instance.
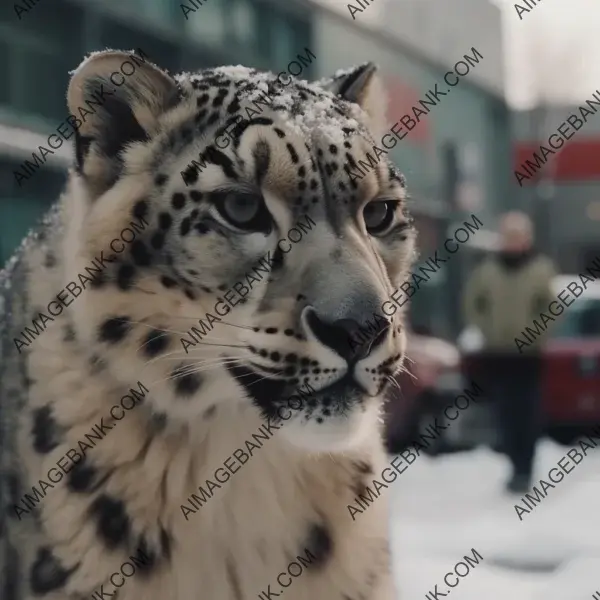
(186, 384)
(218, 101)
(13, 485)
(50, 260)
(112, 520)
(277, 262)
(9, 588)
(113, 330)
(99, 280)
(145, 550)
(156, 342)
(159, 422)
(190, 175)
(125, 276)
(184, 228)
(244, 124)
(165, 543)
(168, 282)
(69, 333)
(320, 545)
(157, 240)
(293, 154)
(140, 254)
(217, 157)
(164, 220)
(200, 116)
(234, 106)
(178, 201)
(140, 209)
(187, 135)
(81, 477)
(47, 574)
(44, 430)
(262, 159)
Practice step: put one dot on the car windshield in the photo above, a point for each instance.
(581, 320)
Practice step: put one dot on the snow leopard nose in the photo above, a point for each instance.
(339, 335)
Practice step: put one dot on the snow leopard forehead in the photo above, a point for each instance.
(180, 116)
(324, 131)
(306, 108)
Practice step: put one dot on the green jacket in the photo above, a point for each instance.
(502, 301)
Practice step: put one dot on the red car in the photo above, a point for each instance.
(571, 374)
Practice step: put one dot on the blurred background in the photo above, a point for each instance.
(459, 161)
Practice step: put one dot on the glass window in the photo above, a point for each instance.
(43, 81)
(282, 40)
(42, 47)
(263, 46)
(195, 60)
(115, 34)
(159, 10)
(590, 320)
(581, 320)
(207, 22)
(5, 72)
(243, 22)
(22, 207)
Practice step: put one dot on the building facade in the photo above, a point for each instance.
(439, 30)
(560, 186)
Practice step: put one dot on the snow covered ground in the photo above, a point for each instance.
(443, 507)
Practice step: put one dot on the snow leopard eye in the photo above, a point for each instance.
(379, 215)
(245, 211)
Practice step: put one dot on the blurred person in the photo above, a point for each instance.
(503, 296)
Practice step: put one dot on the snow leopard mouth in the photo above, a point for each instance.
(270, 394)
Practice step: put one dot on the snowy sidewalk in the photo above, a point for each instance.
(443, 507)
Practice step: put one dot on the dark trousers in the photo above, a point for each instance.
(513, 386)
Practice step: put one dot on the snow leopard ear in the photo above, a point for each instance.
(361, 85)
(115, 99)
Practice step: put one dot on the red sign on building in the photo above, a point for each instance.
(402, 97)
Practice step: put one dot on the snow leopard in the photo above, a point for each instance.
(182, 416)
